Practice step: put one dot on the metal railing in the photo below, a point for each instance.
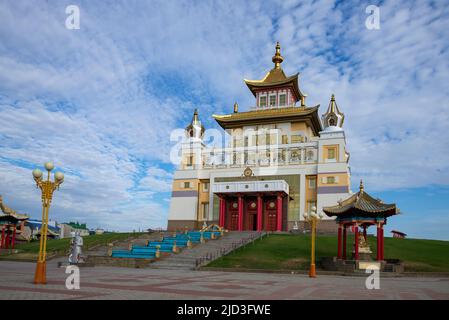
(225, 250)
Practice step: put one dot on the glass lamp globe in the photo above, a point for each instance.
(59, 176)
(49, 166)
(37, 174)
(314, 209)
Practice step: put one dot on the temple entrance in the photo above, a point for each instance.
(252, 206)
(233, 221)
(270, 215)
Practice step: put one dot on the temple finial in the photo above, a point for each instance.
(236, 107)
(277, 58)
(362, 188)
(333, 97)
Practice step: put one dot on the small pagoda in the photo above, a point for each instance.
(12, 224)
(361, 211)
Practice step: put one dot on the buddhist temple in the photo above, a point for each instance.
(280, 160)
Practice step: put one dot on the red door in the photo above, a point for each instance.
(233, 221)
(251, 210)
(270, 215)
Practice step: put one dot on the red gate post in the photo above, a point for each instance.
(339, 240)
(356, 242)
(344, 241)
(279, 213)
(259, 212)
(221, 215)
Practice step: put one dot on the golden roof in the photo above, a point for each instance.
(259, 116)
(276, 78)
(361, 204)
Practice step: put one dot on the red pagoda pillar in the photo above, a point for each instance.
(221, 220)
(379, 245)
(13, 237)
(259, 212)
(2, 244)
(344, 241)
(279, 212)
(240, 205)
(382, 242)
(356, 242)
(339, 241)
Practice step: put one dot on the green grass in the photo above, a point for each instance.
(292, 252)
(62, 245)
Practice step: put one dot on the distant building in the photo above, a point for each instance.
(68, 228)
(398, 234)
(99, 231)
(33, 226)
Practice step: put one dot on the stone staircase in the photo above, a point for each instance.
(190, 259)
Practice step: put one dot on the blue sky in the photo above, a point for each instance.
(101, 101)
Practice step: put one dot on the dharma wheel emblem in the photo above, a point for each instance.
(248, 172)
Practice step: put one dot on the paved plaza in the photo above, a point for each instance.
(125, 283)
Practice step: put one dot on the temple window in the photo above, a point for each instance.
(296, 138)
(263, 101)
(205, 207)
(284, 139)
(189, 161)
(330, 180)
(312, 183)
(187, 185)
(205, 186)
(272, 100)
(282, 99)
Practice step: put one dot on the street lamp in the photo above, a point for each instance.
(47, 187)
(313, 219)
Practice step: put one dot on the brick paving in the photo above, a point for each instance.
(125, 283)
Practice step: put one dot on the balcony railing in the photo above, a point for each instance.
(259, 156)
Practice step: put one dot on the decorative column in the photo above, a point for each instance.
(221, 219)
(339, 241)
(344, 241)
(279, 212)
(259, 212)
(356, 242)
(240, 205)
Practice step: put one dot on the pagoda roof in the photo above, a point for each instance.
(361, 204)
(276, 78)
(260, 116)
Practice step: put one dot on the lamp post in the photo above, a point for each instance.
(47, 187)
(313, 219)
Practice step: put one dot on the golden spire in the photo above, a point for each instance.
(277, 58)
(195, 119)
(332, 109)
(362, 188)
(236, 107)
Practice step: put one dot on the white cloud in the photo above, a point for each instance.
(101, 101)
